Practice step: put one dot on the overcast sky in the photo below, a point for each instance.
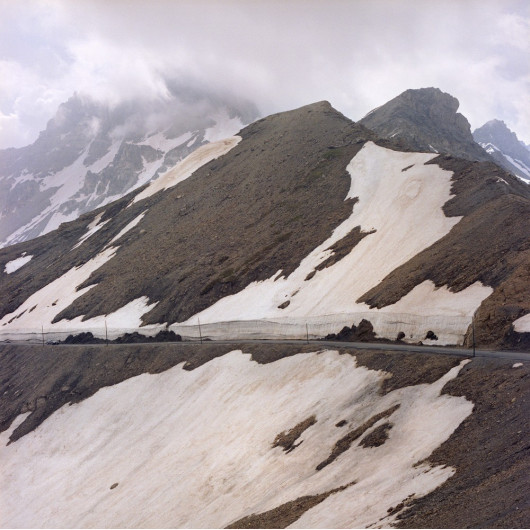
(280, 54)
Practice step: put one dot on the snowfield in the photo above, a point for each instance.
(400, 201)
(403, 209)
(195, 448)
(92, 228)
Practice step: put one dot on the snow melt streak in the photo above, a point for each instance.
(194, 449)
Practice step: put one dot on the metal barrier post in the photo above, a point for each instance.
(200, 334)
(473, 329)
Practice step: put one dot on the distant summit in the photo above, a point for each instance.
(504, 146)
(426, 119)
(91, 154)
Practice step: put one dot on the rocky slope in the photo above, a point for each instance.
(426, 119)
(505, 148)
(266, 436)
(91, 154)
(310, 222)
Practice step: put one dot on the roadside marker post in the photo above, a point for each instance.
(473, 328)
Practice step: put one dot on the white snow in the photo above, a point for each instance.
(186, 167)
(517, 365)
(161, 142)
(105, 160)
(490, 148)
(433, 149)
(224, 127)
(92, 228)
(521, 166)
(23, 177)
(14, 265)
(405, 210)
(42, 307)
(67, 181)
(149, 171)
(128, 227)
(57, 219)
(38, 311)
(522, 325)
(194, 449)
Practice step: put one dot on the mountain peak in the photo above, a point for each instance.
(504, 146)
(427, 119)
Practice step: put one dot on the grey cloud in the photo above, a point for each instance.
(357, 54)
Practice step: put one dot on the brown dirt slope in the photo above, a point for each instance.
(263, 207)
(260, 208)
(490, 451)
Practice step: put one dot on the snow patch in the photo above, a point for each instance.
(224, 127)
(92, 228)
(522, 325)
(521, 166)
(186, 167)
(161, 142)
(198, 445)
(14, 265)
(517, 365)
(405, 210)
(105, 160)
(42, 307)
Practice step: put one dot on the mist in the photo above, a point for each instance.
(278, 55)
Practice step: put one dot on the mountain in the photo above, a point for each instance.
(505, 148)
(260, 436)
(91, 154)
(426, 119)
(303, 223)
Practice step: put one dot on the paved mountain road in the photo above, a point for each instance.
(441, 350)
(411, 348)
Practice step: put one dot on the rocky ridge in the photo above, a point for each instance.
(426, 119)
(505, 148)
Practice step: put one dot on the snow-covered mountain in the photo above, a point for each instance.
(504, 146)
(91, 154)
(310, 223)
(297, 226)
